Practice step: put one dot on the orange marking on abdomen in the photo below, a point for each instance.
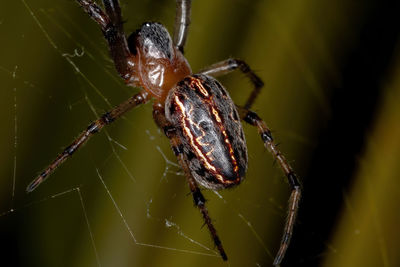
(196, 83)
(206, 158)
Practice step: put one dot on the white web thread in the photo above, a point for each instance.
(15, 141)
(88, 226)
(169, 163)
(112, 141)
(68, 57)
(133, 236)
(171, 224)
(168, 222)
(87, 39)
(64, 55)
(248, 224)
(15, 77)
(57, 195)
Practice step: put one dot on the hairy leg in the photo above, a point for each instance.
(182, 21)
(198, 198)
(93, 128)
(231, 64)
(110, 23)
(295, 196)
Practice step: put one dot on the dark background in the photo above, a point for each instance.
(331, 98)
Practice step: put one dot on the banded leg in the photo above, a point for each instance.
(231, 64)
(110, 22)
(253, 119)
(93, 128)
(199, 200)
(182, 21)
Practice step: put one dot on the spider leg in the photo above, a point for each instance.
(231, 64)
(93, 128)
(182, 21)
(253, 119)
(110, 22)
(199, 200)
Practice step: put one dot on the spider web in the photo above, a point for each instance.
(121, 200)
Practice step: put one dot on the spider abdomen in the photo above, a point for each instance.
(209, 128)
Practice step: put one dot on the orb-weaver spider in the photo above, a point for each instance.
(194, 110)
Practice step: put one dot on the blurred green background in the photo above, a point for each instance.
(331, 97)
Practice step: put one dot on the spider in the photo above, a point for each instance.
(194, 111)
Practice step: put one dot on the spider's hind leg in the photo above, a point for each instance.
(198, 198)
(253, 119)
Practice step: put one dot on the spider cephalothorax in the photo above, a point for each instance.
(194, 110)
(158, 64)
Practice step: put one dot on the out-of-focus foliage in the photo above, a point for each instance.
(367, 233)
(317, 59)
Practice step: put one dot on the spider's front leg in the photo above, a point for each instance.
(110, 23)
(182, 21)
(253, 119)
(93, 128)
(199, 200)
